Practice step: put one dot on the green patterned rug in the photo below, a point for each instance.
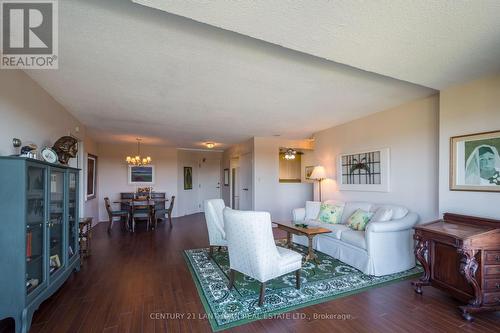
(328, 280)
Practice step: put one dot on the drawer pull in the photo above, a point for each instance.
(497, 285)
(497, 258)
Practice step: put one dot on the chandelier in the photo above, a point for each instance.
(137, 160)
(290, 154)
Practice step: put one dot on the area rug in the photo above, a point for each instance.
(225, 308)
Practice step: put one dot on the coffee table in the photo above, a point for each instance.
(309, 232)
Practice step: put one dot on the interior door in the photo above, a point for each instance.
(209, 181)
(246, 186)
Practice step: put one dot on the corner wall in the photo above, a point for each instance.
(29, 113)
(411, 133)
(467, 109)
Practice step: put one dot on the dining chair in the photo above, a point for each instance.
(112, 214)
(253, 252)
(215, 223)
(141, 210)
(160, 213)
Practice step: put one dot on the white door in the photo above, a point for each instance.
(246, 186)
(209, 181)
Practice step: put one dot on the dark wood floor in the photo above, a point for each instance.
(128, 277)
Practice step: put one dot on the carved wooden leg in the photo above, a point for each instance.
(288, 240)
(211, 252)
(297, 279)
(310, 251)
(220, 247)
(420, 251)
(170, 218)
(232, 274)
(468, 268)
(262, 293)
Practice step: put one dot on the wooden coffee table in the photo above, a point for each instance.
(309, 232)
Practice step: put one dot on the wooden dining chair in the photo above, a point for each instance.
(112, 214)
(141, 210)
(161, 213)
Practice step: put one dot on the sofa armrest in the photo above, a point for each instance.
(406, 223)
(298, 214)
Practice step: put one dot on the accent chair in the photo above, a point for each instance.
(215, 223)
(253, 251)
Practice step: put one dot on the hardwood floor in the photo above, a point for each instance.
(130, 277)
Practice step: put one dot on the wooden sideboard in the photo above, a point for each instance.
(461, 255)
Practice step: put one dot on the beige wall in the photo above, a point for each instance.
(411, 133)
(113, 171)
(189, 201)
(466, 109)
(27, 112)
(269, 194)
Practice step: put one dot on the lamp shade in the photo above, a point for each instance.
(318, 173)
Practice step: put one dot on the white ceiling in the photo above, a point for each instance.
(427, 42)
(127, 71)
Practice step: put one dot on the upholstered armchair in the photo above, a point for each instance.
(253, 252)
(215, 223)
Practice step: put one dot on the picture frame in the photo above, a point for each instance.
(367, 170)
(308, 170)
(91, 176)
(54, 261)
(188, 178)
(226, 177)
(141, 175)
(475, 162)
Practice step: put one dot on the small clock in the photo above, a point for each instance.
(49, 155)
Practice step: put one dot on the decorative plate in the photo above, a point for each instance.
(49, 155)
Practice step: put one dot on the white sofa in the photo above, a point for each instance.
(385, 247)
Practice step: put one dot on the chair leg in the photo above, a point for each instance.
(262, 293)
(110, 225)
(170, 218)
(232, 274)
(218, 250)
(211, 252)
(297, 279)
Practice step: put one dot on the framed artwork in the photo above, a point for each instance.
(475, 162)
(91, 176)
(308, 172)
(188, 178)
(141, 174)
(226, 177)
(364, 171)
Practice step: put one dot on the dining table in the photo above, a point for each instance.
(150, 202)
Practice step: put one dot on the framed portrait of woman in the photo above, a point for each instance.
(475, 162)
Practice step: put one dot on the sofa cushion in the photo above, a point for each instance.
(359, 220)
(330, 213)
(312, 210)
(351, 207)
(353, 237)
(398, 212)
(382, 214)
(336, 229)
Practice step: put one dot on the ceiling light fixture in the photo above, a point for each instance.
(210, 145)
(290, 154)
(137, 160)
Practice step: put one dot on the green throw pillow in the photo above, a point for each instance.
(359, 220)
(329, 213)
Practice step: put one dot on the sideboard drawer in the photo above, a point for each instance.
(492, 270)
(491, 298)
(492, 257)
(492, 285)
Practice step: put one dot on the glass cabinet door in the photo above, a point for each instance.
(35, 230)
(56, 220)
(72, 214)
